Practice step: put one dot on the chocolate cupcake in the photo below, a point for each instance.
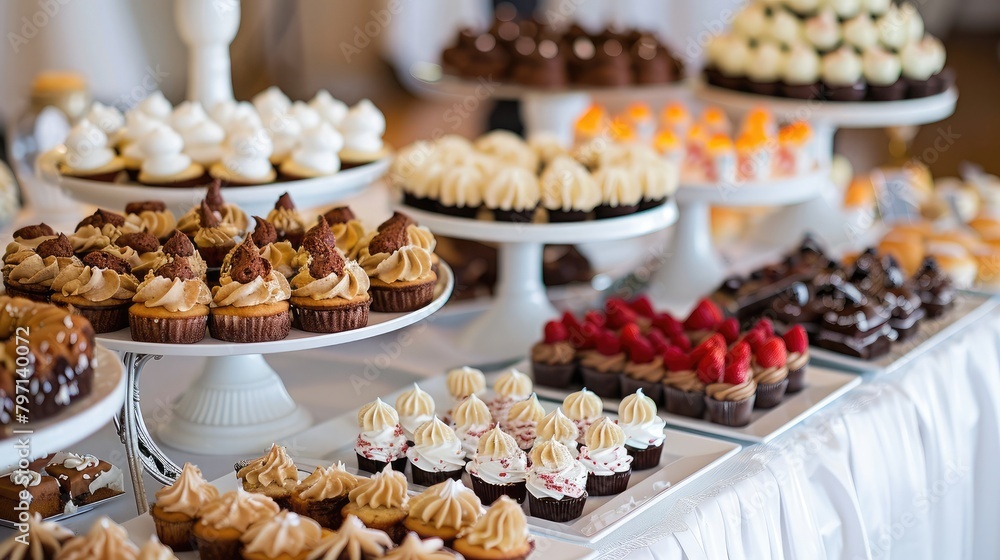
(381, 441)
(883, 71)
(471, 419)
(621, 193)
(764, 66)
(539, 63)
(512, 195)
(731, 398)
(770, 372)
(652, 62)
(644, 369)
(601, 366)
(461, 191)
(557, 483)
(569, 192)
(683, 391)
(801, 74)
(323, 494)
(604, 455)
(643, 430)
(556, 426)
(498, 467)
(100, 288)
(436, 455)
(553, 360)
(797, 343)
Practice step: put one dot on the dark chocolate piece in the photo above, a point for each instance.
(339, 215)
(247, 264)
(58, 247)
(145, 206)
(178, 269)
(104, 260)
(141, 242)
(264, 232)
(101, 217)
(34, 232)
(178, 245)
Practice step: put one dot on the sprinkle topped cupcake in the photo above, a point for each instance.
(557, 427)
(643, 430)
(437, 454)
(414, 407)
(498, 468)
(381, 440)
(608, 463)
(522, 420)
(472, 419)
(557, 483)
(511, 387)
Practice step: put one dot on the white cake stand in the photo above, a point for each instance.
(238, 404)
(691, 267)
(822, 216)
(520, 305)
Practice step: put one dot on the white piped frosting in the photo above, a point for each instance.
(363, 127)
(163, 149)
(87, 147)
(155, 105)
(316, 154)
(329, 107)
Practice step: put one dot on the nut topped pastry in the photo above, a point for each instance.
(401, 272)
(284, 536)
(101, 288)
(287, 221)
(273, 475)
(178, 506)
(381, 502)
(353, 541)
(251, 302)
(324, 493)
(150, 216)
(500, 534)
(171, 305)
(223, 520)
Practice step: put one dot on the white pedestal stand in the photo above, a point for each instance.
(520, 305)
(691, 267)
(208, 28)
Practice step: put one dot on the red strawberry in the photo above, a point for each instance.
(555, 332)
(772, 353)
(705, 316)
(681, 341)
(765, 325)
(676, 360)
(595, 318)
(589, 333)
(666, 323)
(737, 372)
(630, 333)
(754, 337)
(641, 351)
(619, 314)
(712, 366)
(796, 339)
(740, 352)
(730, 328)
(660, 343)
(709, 344)
(643, 306)
(608, 344)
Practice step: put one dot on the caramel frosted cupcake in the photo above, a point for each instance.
(324, 493)
(251, 302)
(286, 536)
(501, 534)
(555, 426)
(557, 483)
(273, 475)
(553, 359)
(643, 430)
(224, 520)
(414, 407)
(353, 541)
(36, 269)
(155, 550)
(511, 387)
(100, 288)
(401, 272)
(471, 419)
(171, 306)
(177, 508)
(346, 229)
(150, 216)
(583, 408)
(415, 548)
(47, 539)
(96, 232)
(106, 539)
(329, 294)
(287, 221)
(608, 464)
(228, 214)
(569, 192)
(381, 441)
(382, 503)
(178, 246)
(140, 250)
(498, 468)
(522, 421)
(282, 256)
(443, 511)
(27, 239)
(436, 454)
(214, 239)
(462, 382)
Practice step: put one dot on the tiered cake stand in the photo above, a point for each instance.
(822, 215)
(238, 405)
(520, 305)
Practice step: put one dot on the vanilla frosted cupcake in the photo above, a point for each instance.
(204, 143)
(400, 269)
(882, 71)
(658, 179)
(462, 382)
(246, 160)
(584, 408)
(105, 539)
(30, 273)
(500, 534)
(843, 78)
(88, 155)
(150, 216)
(362, 127)
(608, 464)
(323, 494)
(165, 164)
(443, 511)
(223, 521)
(522, 421)
(509, 148)
(557, 483)
(227, 213)
(620, 190)
(109, 119)
(546, 146)
(643, 430)
(347, 230)
(381, 440)
(415, 408)
(286, 536)
(273, 475)
(437, 454)
(460, 192)
(569, 192)
(471, 419)
(513, 194)
(178, 506)
(47, 539)
(511, 387)
(555, 426)
(316, 154)
(137, 126)
(287, 221)
(381, 502)
(498, 468)
(353, 541)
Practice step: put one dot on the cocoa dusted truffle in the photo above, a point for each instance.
(321, 232)
(263, 232)
(145, 206)
(141, 242)
(34, 232)
(247, 263)
(101, 217)
(58, 247)
(339, 215)
(179, 245)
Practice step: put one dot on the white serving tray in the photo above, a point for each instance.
(822, 387)
(69, 514)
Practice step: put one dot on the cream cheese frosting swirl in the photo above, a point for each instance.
(618, 186)
(415, 548)
(386, 489)
(94, 284)
(522, 419)
(237, 509)
(513, 188)
(188, 494)
(637, 418)
(556, 426)
(353, 541)
(406, 264)
(731, 392)
(436, 448)
(509, 148)
(284, 535)
(605, 453)
(414, 407)
(472, 419)
(326, 483)
(106, 539)
(159, 224)
(173, 294)
(270, 289)
(273, 469)
(461, 187)
(447, 505)
(465, 381)
(155, 550)
(348, 235)
(141, 263)
(381, 438)
(499, 459)
(554, 473)
(567, 185)
(35, 269)
(503, 528)
(90, 238)
(47, 539)
(352, 284)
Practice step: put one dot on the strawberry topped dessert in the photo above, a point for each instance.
(797, 345)
(703, 321)
(601, 366)
(730, 389)
(683, 390)
(770, 372)
(553, 360)
(644, 368)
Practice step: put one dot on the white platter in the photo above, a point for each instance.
(77, 421)
(141, 528)
(778, 191)
(686, 457)
(968, 309)
(822, 387)
(66, 516)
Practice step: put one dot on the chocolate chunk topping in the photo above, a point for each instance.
(319, 233)
(389, 238)
(284, 202)
(177, 269)
(214, 196)
(264, 232)
(101, 217)
(141, 242)
(101, 259)
(58, 247)
(398, 218)
(34, 232)
(208, 217)
(339, 215)
(325, 260)
(247, 264)
(145, 206)
(178, 245)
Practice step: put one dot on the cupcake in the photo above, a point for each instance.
(401, 272)
(353, 541)
(331, 109)
(501, 534)
(770, 372)
(165, 163)
(415, 407)
(883, 73)
(155, 550)
(922, 66)
(139, 249)
(36, 269)
(100, 288)
(381, 440)
(842, 74)
(246, 159)
(644, 368)
(203, 142)
(178, 506)
(553, 360)
(509, 148)
(643, 430)
(511, 387)
(287, 221)
(512, 194)
(47, 539)
(414, 547)
(251, 302)
(583, 407)
(381, 503)
(522, 421)
(228, 214)
(286, 536)
(569, 192)
(730, 390)
(556, 426)
(797, 344)
(105, 539)
(171, 306)
(471, 419)
(214, 239)
(283, 257)
(315, 155)
(27, 238)
(88, 155)
(801, 74)
(225, 519)
(601, 366)
(498, 468)
(557, 483)
(608, 464)
(273, 475)
(764, 65)
(323, 494)
(461, 383)
(362, 127)
(620, 192)
(683, 391)
(178, 246)
(443, 511)
(346, 229)
(436, 455)
(703, 321)
(149, 216)
(460, 192)
(96, 232)
(658, 178)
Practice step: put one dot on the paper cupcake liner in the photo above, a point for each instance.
(214, 255)
(560, 511)
(105, 319)
(553, 375)
(652, 389)
(605, 385)
(40, 296)
(220, 549)
(770, 395)
(796, 379)
(684, 403)
(180, 330)
(373, 466)
(650, 203)
(608, 485)
(178, 535)
(391, 299)
(516, 216)
(419, 203)
(563, 216)
(325, 512)
(235, 328)
(604, 211)
(430, 478)
(730, 413)
(643, 459)
(458, 211)
(489, 493)
(333, 319)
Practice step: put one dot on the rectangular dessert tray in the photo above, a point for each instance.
(968, 309)
(822, 387)
(686, 457)
(67, 515)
